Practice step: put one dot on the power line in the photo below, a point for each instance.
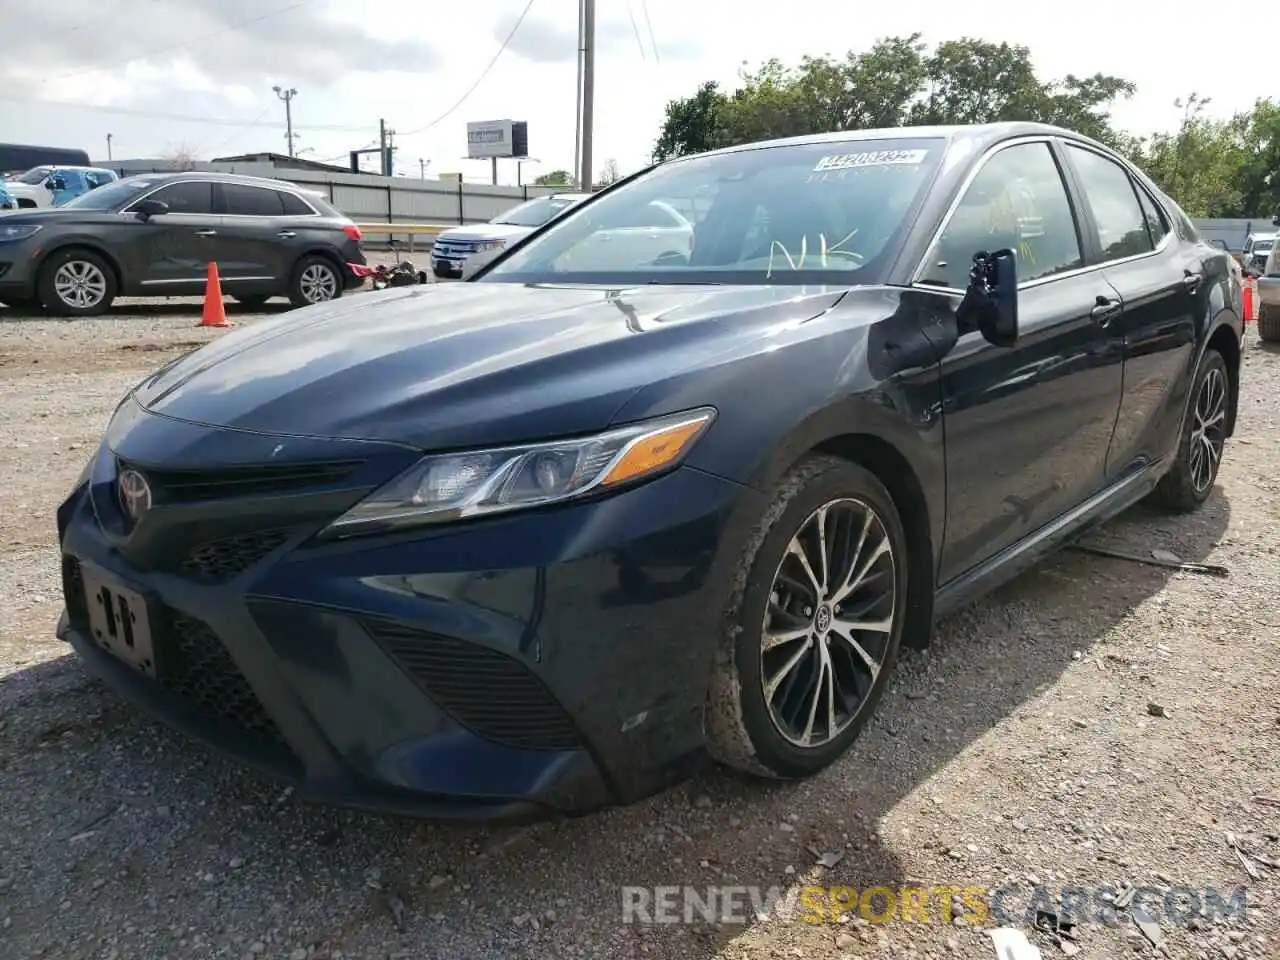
(644, 6)
(636, 30)
(180, 46)
(182, 117)
(463, 99)
(113, 15)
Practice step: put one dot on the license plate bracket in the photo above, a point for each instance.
(119, 620)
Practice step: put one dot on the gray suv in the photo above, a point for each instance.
(156, 234)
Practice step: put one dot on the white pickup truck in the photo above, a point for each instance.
(1268, 293)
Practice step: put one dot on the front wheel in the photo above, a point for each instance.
(76, 283)
(814, 630)
(1204, 435)
(315, 280)
(1269, 323)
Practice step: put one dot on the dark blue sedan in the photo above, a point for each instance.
(542, 541)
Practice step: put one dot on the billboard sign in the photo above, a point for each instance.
(497, 138)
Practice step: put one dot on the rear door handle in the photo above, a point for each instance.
(1190, 280)
(206, 233)
(286, 234)
(1105, 310)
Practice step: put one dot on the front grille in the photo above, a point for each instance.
(454, 248)
(193, 486)
(196, 666)
(215, 561)
(488, 692)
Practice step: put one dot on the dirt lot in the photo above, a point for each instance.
(1095, 723)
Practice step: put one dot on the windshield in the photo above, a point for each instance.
(35, 175)
(534, 213)
(1262, 246)
(110, 196)
(791, 214)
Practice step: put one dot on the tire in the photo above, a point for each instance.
(60, 272)
(254, 301)
(745, 729)
(1268, 323)
(1190, 480)
(306, 287)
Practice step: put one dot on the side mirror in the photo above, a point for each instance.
(55, 183)
(146, 209)
(990, 303)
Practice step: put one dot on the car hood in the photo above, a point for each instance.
(447, 365)
(486, 231)
(57, 215)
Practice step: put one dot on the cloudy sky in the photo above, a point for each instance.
(168, 75)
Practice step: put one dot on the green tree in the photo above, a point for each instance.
(893, 83)
(556, 178)
(1202, 164)
(608, 174)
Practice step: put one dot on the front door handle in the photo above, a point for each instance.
(206, 233)
(1105, 310)
(286, 234)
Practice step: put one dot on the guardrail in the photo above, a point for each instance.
(391, 232)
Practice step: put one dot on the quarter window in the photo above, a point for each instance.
(1157, 224)
(244, 201)
(1122, 226)
(1016, 201)
(191, 197)
(293, 206)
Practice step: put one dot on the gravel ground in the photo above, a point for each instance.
(1094, 723)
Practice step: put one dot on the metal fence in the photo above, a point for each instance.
(368, 197)
(1233, 231)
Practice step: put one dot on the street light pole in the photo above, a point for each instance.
(588, 89)
(108, 148)
(287, 96)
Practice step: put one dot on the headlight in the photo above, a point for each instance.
(455, 485)
(491, 245)
(18, 231)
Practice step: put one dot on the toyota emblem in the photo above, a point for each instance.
(135, 494)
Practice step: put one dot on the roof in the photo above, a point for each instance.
(271, 182)
(280, 160)
(981, 135)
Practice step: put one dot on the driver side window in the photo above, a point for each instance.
(191, 197)
(1017, 200)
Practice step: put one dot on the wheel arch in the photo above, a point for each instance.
(907, 458)
(1225, 339)
(319, 250)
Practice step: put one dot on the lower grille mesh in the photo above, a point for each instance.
(199, 669)
(215, 561)
(488, 692)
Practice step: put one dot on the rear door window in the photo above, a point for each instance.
(245, 201)
(1122, 226)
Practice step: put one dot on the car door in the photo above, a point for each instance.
(253, 243)
(170, 252)
(1162, 287)
(1027, 427)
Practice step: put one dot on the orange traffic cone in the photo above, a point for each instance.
(214, 315)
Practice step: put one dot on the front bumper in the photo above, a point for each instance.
(547, 662)
(17, 273)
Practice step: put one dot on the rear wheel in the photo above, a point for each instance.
(815, 629)
(315, 280)
(1204, 435)
(76, 283)
(1268, 323)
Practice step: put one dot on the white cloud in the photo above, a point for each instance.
(356, 61)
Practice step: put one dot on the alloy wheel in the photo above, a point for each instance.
(318, 283)
(80, 284)
(829, 622)
(1208, 432)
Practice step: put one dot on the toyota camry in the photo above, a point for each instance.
(543, 541)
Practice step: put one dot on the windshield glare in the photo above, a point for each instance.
(35, 175)
(534, 213)
(790, 214)
(109, 196)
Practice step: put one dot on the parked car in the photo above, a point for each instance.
(43, 187)
(1256, 248)
(539, 541)
(155, 235)
(454, 246)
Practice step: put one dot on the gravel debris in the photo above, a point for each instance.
(1096, 725)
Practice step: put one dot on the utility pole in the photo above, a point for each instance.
(577, 108)
(422, 169)
(588, 88)
(108, 148)
(386, 146)
(287, 96)
(493, 166)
